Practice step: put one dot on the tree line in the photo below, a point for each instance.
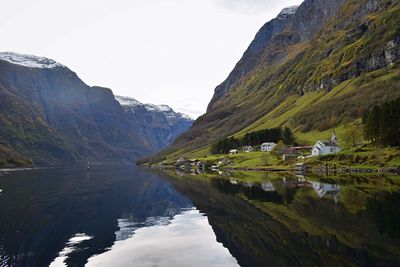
(255, 138)
(382, 124)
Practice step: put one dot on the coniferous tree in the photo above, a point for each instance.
(383, 124)
(288, 137)
(372, 126)
(254, 138)
(385, 119)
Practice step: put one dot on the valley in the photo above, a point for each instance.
(295, 161)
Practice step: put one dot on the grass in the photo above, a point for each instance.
(283, 113)
(313, 136)
(366, 157)
(257, 159)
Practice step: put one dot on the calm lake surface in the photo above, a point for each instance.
(130, 216)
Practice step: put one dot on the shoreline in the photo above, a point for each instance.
(312, 169)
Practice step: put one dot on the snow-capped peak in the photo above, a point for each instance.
(288, 10)
(166, 110)
(185, 116)
(158, 108)
(30, 61)
(128, 101)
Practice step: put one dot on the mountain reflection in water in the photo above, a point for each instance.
(123, 216)
(63, 217)
(278, 219)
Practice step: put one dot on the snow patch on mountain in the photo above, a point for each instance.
(158, 122)
(30, 61)
(184, 116)
(128, 101)
(158, 108)
(168, 111)
(162, 108)
(165, 109)
(288, 10)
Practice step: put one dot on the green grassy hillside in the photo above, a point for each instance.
(322, 84)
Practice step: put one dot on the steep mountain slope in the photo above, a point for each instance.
(160, 123)
(323, 67)
(253, 55)
(49, 115)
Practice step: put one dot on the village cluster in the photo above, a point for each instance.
(287, 153)
(320, 148)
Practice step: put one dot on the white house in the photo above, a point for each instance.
(326, 147)
(268, 147)
(248, 149)
(233, 151)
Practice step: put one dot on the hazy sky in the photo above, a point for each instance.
(171, 52)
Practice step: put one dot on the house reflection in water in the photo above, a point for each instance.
(268, 186)
(294, 183)
(234, 181)
(322, 189)
(248, 184)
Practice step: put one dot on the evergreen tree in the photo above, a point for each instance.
(255, 138)
(383, 124)
(288, 137)
(372, 128)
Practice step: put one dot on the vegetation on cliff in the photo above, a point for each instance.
(315, 85)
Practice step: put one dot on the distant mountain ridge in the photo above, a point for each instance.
(49, 115)
(161, 121)
(30, 61)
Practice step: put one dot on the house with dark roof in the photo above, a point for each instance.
(326, 147)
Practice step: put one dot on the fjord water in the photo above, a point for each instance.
(124, 216)
(129, 216)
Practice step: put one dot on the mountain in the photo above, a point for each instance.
(316, 67)
(50, 116)
(160, 122)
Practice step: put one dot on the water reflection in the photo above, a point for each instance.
(278, 191)
(383, 210)
(267, 219)
(71, 246)
(187, 240)
(125, 217)
(128, 223)
(65, 216)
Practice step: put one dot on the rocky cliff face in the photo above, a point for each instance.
(311, 17)
(51, 116)
(252, 56)
(160, 123)
(293, 25)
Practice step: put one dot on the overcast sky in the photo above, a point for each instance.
(171, 52)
